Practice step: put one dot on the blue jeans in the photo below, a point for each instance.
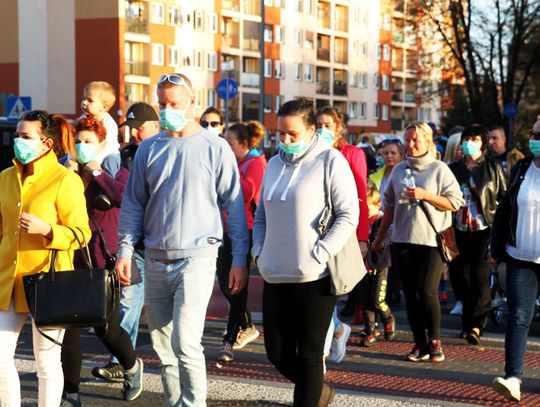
(521, 286)
(131, 302)
(177, 296)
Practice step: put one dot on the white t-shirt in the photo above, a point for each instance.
(527, 231)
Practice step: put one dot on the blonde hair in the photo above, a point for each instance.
(450, 154)
(107, 91)
(424, 130)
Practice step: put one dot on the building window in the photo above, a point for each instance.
(198, 20)
(278, 34)
(362, 110)
(158, 13)
(267, 107)
(298, 6)
(376, 111)
(157, 54)
(298, 72)
(173, 56)
(376, 80)
(379, 51)
(198, 59)
(353, 109)
(352, 79)
(354, 48)
(387, 22)
(174, 16)
(386, 52)
(267, 33)
(278, 69)
(136, 92)
(384, 114)
(308, 73)
(363, 48)
(211, 98)
(199, 97)
(362, 80)
(386, 82)
(309, 39)
(212, 61)
(279, 101)
(213, 23)
(298, 37)
(267, 68)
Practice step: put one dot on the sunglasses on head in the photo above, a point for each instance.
(205, 124)
(176, 80)
(535, 134)
(390, 141)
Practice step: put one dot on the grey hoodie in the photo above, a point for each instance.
(292, 200)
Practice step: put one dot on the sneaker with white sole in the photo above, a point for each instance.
(339, 345)
(133, 382)
(419, 353)
(246, 336)
(508, 388)
(111, 372)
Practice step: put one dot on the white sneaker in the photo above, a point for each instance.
(457, 308)
(339, 345)
(508, 388)
(246, 336)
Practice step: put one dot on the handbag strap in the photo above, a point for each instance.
(428, 216)
(322, 227)
(103, 242)
(84, 251)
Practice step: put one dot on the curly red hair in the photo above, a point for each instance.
(93, 125)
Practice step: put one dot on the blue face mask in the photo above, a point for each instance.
(86, 152)
(470, 148)
(25, 150)
(379, 160)
(294, 148)
(172, 119)
(534, 146)
(326, 135)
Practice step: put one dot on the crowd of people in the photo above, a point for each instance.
(139, 208)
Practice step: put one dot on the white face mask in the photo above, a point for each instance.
(214, 130)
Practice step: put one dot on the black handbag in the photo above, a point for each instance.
(72, 299)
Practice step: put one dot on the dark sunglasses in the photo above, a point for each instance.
(535, 134)
(390, 141)
(34, 115)
(205, 124)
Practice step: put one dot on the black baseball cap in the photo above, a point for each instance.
(138, 113)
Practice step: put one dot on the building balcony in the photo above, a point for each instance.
(323, 54)
(137, 25)
(410, 97)
(341, 57)
(141, 68)
(323, 87)
(341, 24)
(249, 80)
(398, 37)
(340, 88)
(250, 44)
(231, 40)
(231, 5)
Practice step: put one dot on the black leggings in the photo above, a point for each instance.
(373, 291)
(296, 317)
(115, 339)
(471, 272)
(239, 315)
(420, 268)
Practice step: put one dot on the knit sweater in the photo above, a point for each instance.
(292, 201)
(410, 222)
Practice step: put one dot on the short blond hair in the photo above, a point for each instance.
(108, 94)
(424, 130)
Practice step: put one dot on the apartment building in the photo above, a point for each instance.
(364, 58)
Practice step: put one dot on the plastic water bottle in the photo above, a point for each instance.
(409, 181)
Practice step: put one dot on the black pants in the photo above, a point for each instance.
(470, 272)
(420, 267)
(115, 339)
(296, 319)
(393, 282)
(239, 315)
(373, 293)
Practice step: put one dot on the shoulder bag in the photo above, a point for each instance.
(446, 239)
(347, 266)
(72, 299)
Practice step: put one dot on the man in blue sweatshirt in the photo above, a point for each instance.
(180, 181)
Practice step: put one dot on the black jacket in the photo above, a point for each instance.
(127, 153)
(505, 221)
(490, 181)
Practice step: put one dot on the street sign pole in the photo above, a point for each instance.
(261, 67)
(226, 110)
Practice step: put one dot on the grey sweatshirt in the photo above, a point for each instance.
(410, 223)
(292, 200)
(175, 190)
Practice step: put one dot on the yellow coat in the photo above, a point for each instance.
(56, 195)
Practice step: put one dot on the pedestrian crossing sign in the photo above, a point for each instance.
(17, 105)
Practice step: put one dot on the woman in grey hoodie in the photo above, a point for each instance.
(419, 259)
(297, 303)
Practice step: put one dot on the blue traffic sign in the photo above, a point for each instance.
(227, 88)
(510, 110)
(17, 105)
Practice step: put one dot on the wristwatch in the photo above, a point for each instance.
(96, 173)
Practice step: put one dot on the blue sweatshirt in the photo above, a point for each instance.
(175, 190)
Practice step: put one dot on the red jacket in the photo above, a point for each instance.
(251, 175)
(357, 161)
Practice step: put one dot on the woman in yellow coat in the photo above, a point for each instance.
(39, 198)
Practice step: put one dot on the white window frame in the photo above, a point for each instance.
(174, 55)
(212, 61)
(376, 81)
(379, 51)
(278, 69)
(353, 109)
(308, 72)
(280, 99)
(198, 20)
(279, 34)
(267, 68)
(211, 97)
(174, 14)
(362, 80)
(384, 112)
(158, 54)
(298, 37)
(297, 72)
(212, 23)
(376, 111)
(362, 110)
(364, 48)
(387, 53)
(353, 79)
(386, 82)
(268, 33)
(158, 13)
(199, 96)
(387, 22)
(198, 59)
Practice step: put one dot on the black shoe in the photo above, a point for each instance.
(133, 382)
(111, 372)
(473, 337)
(71, 400)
